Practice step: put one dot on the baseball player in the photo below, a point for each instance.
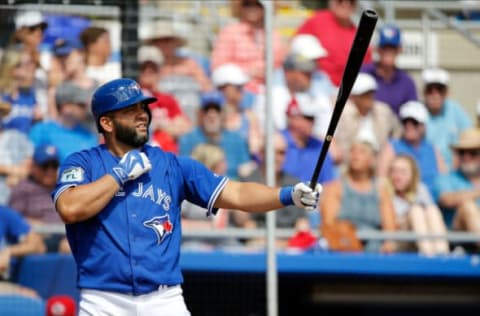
(121, 204)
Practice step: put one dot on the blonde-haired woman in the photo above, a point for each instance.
(360, 198)
(415, 207)
(17, 75)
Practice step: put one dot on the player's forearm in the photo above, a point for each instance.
(249, 196)
(82, 202)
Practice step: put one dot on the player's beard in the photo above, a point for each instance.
(129, 136)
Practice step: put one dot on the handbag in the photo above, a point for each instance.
(341, 236)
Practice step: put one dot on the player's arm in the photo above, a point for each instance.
(81, 202)
(256, 197)
(78, 201)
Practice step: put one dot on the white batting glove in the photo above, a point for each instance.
(301, 195)
(132, 165)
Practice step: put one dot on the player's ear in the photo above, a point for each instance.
(106, 123)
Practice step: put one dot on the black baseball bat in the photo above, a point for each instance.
(364, 33)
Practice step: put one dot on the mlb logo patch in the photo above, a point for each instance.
(74, 174)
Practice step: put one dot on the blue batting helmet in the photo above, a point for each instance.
(115, 95)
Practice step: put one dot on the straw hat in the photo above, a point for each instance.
(161, 30)
(469, 139)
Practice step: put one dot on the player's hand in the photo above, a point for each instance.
(132, 165)
(304, 197)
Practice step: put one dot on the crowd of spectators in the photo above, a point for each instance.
(399, 160)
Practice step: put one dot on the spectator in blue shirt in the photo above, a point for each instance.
(303, 147)
(210, 130)
(68, 132)
(457, 192)
(395, 86)
(413, 142)
(447, 119)
(16, 240)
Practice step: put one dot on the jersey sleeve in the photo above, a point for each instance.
(74, 171)
(202, 186)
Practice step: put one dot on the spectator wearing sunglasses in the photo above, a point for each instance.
(31, 196)
(413, 142)
(457, 192)
(447, 118)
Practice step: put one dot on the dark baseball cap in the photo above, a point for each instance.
(299, 62)
(45, 153)
(212, 99)
(63, 47)
(390, 35)
(67, 92)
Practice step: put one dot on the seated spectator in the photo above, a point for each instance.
(179, 75)
(415, 208)
(31, 197)
(414, 143)
(297, 89)
(457, 192)
(335, 29)
(15, 159)
(193, 216)
(16, 240)
(288, 216)
(303, 147)
(243, 43)
(365, 117)
(230, 80)
(210, 130)
(68, 64)
(17, 71)
(395, 85)
(68, 132)
(30, 28)
(97, 44)
(309, 48)
(447, 118)
(360, 198)
(168, 119)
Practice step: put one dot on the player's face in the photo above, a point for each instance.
(131, 125)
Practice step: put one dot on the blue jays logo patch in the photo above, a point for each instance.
(161, 225)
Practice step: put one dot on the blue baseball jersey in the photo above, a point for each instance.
(133, 245)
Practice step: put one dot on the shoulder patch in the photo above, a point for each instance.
(73, 174)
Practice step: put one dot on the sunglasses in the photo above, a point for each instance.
(411, 121)
(50, 164)
(435, 87)
(252, 4)
(470, 152)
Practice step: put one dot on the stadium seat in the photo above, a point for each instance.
(14, 305)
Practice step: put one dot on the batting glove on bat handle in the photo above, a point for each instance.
(301, 195)
(132, 165)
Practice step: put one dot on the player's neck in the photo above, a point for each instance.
(118, 149)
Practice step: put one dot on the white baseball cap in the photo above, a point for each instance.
(150, 53)
(415, 110)
(307, 46)
(363, 84)
(435, 75)
(229, 74)
(29, 18)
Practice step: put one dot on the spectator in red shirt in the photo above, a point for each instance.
(336, 30)
(243, 43)
(168, 119)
